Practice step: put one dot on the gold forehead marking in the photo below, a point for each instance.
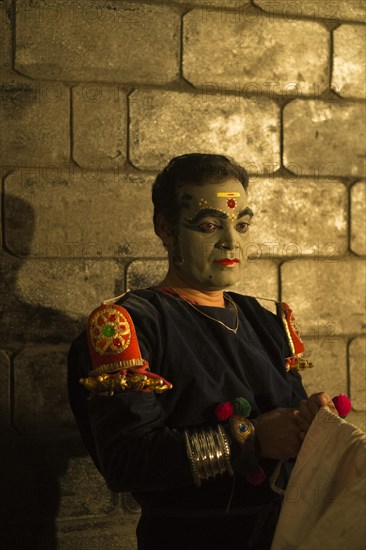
(230, 203)
(227, 195)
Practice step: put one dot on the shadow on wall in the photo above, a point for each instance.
(37, 437)
(21, 322)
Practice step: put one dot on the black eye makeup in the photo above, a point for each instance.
(211, 227)
(242, 227)
(208, 227)
(208, 220)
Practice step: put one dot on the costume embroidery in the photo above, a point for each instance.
(295, 362)
(116, 356)
(109, 331)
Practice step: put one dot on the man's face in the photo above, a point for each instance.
(212, 232)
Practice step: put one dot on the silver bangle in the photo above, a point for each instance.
(208, 453)
(193, 459)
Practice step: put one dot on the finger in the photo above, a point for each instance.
(315, 402)
(297, 421)
(301, 422)
(321, 398)
(305, 411)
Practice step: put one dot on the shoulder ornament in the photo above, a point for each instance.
(295, 361)
(116, 356)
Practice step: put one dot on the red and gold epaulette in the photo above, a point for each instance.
(295, 361)
(116, 356)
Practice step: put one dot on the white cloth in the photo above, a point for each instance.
(325, 502)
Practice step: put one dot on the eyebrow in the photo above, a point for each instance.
(217, 214)
(246, 212)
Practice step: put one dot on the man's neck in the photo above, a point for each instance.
(214, 298)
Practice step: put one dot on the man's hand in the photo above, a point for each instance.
(308, 408)
(278, 433)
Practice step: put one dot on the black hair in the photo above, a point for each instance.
(193, 168)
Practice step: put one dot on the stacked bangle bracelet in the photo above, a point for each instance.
(208, 452)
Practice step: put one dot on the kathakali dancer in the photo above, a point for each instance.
(187, 395)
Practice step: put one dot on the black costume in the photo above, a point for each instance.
(136, 440)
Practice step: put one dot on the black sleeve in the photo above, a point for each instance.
(270, 328)
(136, 451)
(298, 390)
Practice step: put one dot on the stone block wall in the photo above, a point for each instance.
(95, 98)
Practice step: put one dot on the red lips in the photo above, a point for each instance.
(227, 261)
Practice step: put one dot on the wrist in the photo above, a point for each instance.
(257, 444)
(245, 460)
(242, 429)
(245, 449)
(208, 452)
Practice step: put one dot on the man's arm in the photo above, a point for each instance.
(136, 450)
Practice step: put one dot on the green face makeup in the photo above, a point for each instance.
(212, 231)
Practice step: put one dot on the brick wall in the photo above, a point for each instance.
(96, 97)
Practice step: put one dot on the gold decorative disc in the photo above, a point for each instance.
(110, 332)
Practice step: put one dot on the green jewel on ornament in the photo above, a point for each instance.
(108, 330)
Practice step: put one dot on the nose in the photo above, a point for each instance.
(229, 239)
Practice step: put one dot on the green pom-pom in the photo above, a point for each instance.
(241, 407)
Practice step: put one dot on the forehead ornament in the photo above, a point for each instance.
(231, 202)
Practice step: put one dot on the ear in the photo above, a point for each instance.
(164, 230)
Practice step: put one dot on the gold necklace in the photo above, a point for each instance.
(231, 301)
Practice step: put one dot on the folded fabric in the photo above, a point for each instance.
(324, 503)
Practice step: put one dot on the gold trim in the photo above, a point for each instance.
(287, 330)
(116, 365)
(295, 363)
(110, 384)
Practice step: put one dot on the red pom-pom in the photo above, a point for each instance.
(257, 477)
(223, 411)
(343, 404)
